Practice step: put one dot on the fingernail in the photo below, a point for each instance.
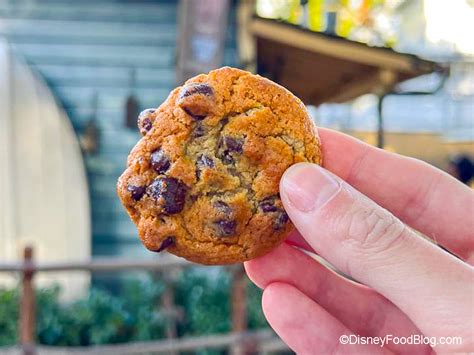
(308, 186)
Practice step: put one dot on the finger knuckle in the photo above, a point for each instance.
(369, 236)
(372, 229)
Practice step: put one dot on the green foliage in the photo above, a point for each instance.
(145, 320)
(8, 317)
(99, 318)
(134, 314)
(256, 319)
(205, 298)
(49, 318)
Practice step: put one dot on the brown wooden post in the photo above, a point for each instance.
(27, 304)
(239, 312)
(169, 307)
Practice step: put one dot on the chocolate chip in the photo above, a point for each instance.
(280, 220)
(136, 191)
(193, 115)
(144, 122)
(170, 194)
(166, 243)
(224, 121)
(193, 89)
(227, 158)
(225, 228)
(223, 207)
(233, 144)
(228, 146)
(159, 161)
(197, 100)
(198, 130)
(268, 205)
(203, 161)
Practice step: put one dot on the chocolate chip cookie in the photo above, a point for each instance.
(203, 181)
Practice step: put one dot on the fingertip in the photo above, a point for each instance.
(289, 173)
(273, 295)
(306, 187)
(259, 268)
(335, 145)
(252, 269)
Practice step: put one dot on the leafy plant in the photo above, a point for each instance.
(256, 319)
(134, 313)
(205, 298)
(8, 316)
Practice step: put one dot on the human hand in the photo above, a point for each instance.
(347, 216)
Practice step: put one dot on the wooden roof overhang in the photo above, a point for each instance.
(321, 68)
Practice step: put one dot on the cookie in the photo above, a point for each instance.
(203, 180)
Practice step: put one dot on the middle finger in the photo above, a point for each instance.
(361, 309)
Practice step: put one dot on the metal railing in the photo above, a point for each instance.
(240, 340)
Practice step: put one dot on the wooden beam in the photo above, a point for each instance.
(338, 48)
(378, 82)
(188, 344)
(101, 264)
(347, 91)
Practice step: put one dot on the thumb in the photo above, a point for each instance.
(367, 242)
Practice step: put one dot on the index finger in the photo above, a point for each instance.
(422, 196)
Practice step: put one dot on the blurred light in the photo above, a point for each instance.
(451, 22)
(461, 82)
(275, 9)
(364, 103)
(356, 3)
(426, 83)
(364, 113)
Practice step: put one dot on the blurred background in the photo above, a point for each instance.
(74, 76)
